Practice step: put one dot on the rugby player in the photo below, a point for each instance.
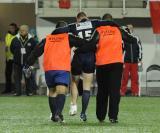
(83, 64)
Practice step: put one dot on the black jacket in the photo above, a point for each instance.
(132, 51)
(20, 50)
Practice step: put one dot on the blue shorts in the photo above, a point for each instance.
(83, 62)
(57, 77)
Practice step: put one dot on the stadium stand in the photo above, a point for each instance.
(129, 8)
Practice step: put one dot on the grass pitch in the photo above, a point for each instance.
(31, 115)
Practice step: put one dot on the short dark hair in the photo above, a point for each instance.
(107, 16)
(13, 24)
(81, 14)
(61, 24)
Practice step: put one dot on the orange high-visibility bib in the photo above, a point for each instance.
(57, 53)
(109, 48)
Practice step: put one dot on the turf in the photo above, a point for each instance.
(31, 115)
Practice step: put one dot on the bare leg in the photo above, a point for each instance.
(74, 95)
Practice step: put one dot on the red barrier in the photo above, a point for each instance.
(155, 15)
(66, 4)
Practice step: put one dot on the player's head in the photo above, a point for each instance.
(107, 16)
(80, 16)
(61, 24)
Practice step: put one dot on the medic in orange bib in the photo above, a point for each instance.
(106, 41)
(57, 64)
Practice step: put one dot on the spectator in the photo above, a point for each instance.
(21, 47)
(132, 56)
(13, 29)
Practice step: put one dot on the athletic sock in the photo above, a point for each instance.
(85, 100)
(60, 103)
(52, 104)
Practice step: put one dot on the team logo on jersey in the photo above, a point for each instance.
(84, 25)
(107, 32)
(56, 39)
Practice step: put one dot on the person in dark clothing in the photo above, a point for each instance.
(21, 47)
(108, 71)
(13, 29)
(106, 41)
(57, 64)
(132, 56)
